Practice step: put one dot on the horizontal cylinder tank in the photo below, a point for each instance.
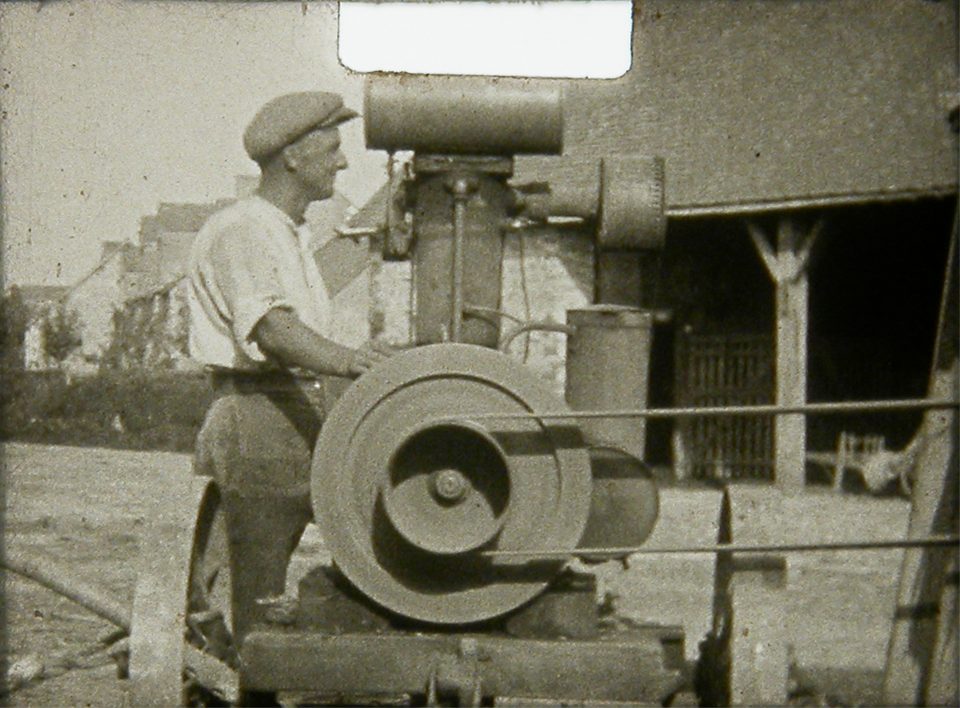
(463, 115)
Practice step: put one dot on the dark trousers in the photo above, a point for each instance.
(257, 443)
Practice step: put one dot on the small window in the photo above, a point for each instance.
(561, 39)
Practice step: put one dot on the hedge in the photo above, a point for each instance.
(137, 410)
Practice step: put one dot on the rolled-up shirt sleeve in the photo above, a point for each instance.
(246, 277)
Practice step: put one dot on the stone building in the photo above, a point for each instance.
(151, 326)
(128, 272)
(126, 275)
(92, 299)
(150, 329)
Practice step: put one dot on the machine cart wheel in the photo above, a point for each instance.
(181, 650)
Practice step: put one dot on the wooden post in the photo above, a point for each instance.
(787, 267)
(759, 657)
(746, 654)
(921, 666)
(923, 628)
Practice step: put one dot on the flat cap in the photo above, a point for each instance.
(287, 118)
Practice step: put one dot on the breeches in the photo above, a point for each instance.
(258, 446)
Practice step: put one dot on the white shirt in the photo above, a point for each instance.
(246, 260)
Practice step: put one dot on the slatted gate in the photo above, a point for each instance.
(721, 370)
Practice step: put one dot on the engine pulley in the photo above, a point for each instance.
(407, 489)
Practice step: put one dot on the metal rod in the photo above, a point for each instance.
(925, 541)
(904, 404)
(357, 232)
(460, 190)
(456, 315)
(493, 312)
(950, 274)
(534, 327)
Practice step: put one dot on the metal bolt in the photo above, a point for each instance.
(450, 485)
(461, 186)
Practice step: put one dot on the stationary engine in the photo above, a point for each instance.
(452, 483)
(448, 454)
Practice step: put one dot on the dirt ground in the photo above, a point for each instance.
(86, 508)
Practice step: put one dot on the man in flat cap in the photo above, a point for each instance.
(260, 322)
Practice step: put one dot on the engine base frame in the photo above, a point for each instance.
(635, 666)
(336, 647)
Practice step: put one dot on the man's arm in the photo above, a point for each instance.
(282, 335)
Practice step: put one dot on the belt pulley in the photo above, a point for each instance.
(409, 490)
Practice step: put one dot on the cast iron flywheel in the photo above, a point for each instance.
(408, 489)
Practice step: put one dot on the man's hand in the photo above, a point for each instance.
(369, 355)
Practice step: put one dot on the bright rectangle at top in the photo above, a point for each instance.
(565, 39)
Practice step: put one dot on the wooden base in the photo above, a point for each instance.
(335, 647)
(627, 667)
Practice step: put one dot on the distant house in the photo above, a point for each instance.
(40, 301)
(94, 296)
(150, 329)
(37, 298)
(132, 306)
(129, 272)
(134, 290)
(126, 275)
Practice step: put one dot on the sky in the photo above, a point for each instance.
(111, 107)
